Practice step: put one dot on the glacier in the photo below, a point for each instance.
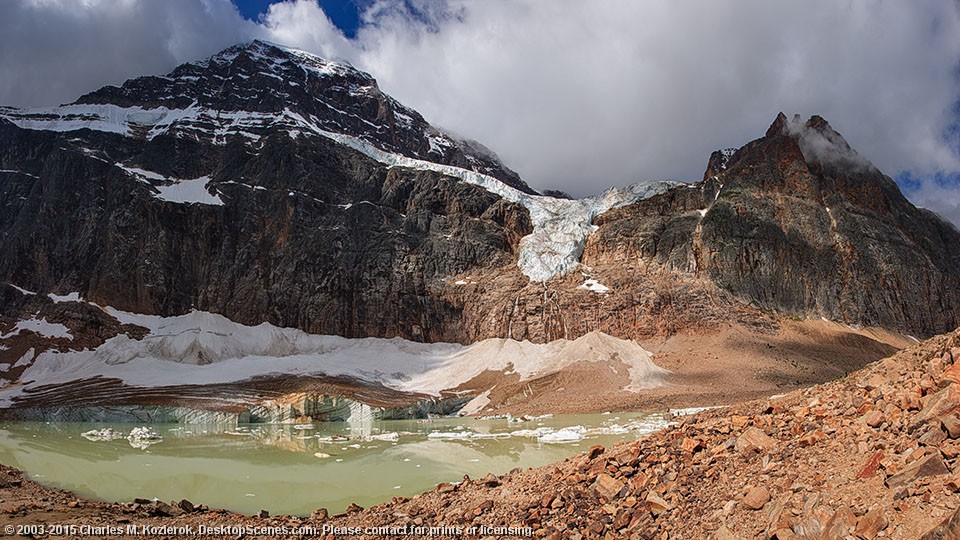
(560, 226)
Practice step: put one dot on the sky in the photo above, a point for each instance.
(577, 95)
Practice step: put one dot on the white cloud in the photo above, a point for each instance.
(943, 197)
(581, 95)
(574, 94)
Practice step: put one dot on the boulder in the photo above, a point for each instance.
(939, 405)
(948, 529)
(871, 523)
(754, 440)
(607, 486)
(932, 465)
(657, 504)
(869, 468)
(756, 498)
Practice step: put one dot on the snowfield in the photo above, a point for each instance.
(205, 348)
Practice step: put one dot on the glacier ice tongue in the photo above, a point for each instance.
(560, 226)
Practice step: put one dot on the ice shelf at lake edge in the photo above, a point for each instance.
(205, 348)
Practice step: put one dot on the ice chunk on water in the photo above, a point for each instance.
(143, 437)
(105, 434)
(449, 435)
(568, 434)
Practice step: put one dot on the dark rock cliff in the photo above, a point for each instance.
(311, 234)
(303, 231)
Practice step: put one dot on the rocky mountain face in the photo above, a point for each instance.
(208, 189)
(797, 222)
(793, 223)
(247, 89)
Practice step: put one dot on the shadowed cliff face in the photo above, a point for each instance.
(309, 235)
(798, 222)
(215, 188)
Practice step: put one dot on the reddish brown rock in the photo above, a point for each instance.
(869, 469)
(951, 424)
(754, 440)
(756, 498)
(690, 445)
(933, 437)
(839, 524)
(809, 529)
(785, 534)
(873, 418)
(871, 523)
(953, 484)
(490, 480)
(657, 504)
(910, 400)
(948, 529)
(812, 438)
(607, 486)
(931, 465)
(951, 374)
(724, 533)
(939, 405)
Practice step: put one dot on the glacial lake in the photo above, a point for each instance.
(296, 469)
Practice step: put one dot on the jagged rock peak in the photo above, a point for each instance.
(257, 77)
(719, 161)
(778, 127)
(271, 55)
(820, 143)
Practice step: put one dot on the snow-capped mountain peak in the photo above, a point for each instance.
(251, 90)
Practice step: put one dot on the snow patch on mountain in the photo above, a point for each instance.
(189, 191)
(593, 285)
(40, 327)
(176, 190)
(22, 291)
(98, 117)
(61, 298)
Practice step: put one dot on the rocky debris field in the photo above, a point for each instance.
(872, 455)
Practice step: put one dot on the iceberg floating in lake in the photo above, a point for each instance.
(105, 434)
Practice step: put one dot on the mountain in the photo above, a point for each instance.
(223, 187)
(268, 192)
(253, 89)
(269, 184)
(799, 223)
